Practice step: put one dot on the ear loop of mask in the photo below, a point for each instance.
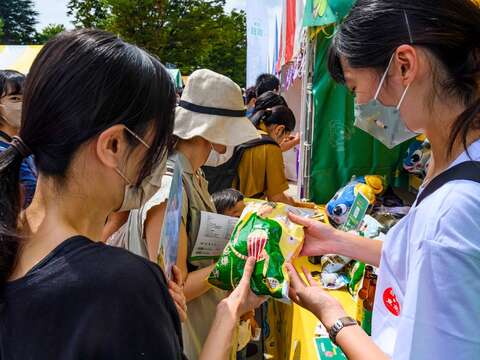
(122, 175)
(137, 137)
(390, 63)
(383, 80)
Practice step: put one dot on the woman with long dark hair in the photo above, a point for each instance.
(97, 115)
(413, 66)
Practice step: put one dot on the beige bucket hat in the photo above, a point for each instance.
(212, 107)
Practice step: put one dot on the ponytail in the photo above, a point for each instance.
(264, 106)
(61, 112)
(260, 116)
(277, 115)
(10, 206)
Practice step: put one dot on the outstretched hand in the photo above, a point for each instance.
(314, 298)
(320, 238)
(290, 142)
(242, 299)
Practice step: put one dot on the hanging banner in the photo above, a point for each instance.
(326, 12)
(299, 29)
(264, 20)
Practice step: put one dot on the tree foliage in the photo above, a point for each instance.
(18, 19)
(190, 34)
(49, 32)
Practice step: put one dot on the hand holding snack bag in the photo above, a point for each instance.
(264, 232)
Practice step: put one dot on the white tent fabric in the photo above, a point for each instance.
(18, 57)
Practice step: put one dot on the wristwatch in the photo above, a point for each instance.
(339, 325)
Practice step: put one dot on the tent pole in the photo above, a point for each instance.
(308, 119)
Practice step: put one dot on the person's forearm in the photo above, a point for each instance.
(357, 345)
(196, 284)
(285, 199)
(356, 247)
(353, 340)
(219, 341)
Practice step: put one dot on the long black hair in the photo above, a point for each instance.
(81, 83)
(448, 29)
(11, 83)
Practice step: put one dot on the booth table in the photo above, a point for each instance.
(292, 329)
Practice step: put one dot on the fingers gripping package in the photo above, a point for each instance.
(264, 232)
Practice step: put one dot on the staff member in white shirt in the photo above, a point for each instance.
(420, 57)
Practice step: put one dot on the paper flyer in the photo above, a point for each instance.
(213, 235)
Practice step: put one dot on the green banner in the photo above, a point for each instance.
(325, 12)
(341, 150)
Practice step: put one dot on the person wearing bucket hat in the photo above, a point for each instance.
(209, 122)
(212, 107)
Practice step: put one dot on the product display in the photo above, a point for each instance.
(339, 206)
(419, 155)
(356, 275)
(370, 227)
(264, 232)
(366, 297)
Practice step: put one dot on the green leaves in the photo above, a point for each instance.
(49, 32)
(191, 34)
(18, 19)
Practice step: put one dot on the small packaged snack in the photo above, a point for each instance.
(264, 232)
(334, 281)
(333, 263)
(356, 276)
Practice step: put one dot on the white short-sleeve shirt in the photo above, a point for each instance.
(427, 304)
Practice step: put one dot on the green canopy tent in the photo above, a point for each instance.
(338, 149)
(176, 77)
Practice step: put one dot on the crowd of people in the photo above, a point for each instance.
(142, 142)
(89, 144)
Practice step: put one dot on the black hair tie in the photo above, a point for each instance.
(21, 147)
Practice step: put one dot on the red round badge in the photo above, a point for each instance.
(391, 302)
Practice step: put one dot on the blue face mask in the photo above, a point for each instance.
(384, 123)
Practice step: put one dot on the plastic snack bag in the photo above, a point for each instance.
(333, 263)
(264, 232)
(334, 281)
(356, 276)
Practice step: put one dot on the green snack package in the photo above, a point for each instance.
(273, 240)
(356, 275)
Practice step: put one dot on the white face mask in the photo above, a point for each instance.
(216, 159)
(383, 122)
(135, 197)
(12, 114)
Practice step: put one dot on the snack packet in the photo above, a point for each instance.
(264, 232)
(331, 263)
(334, 281)
(356, 276)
